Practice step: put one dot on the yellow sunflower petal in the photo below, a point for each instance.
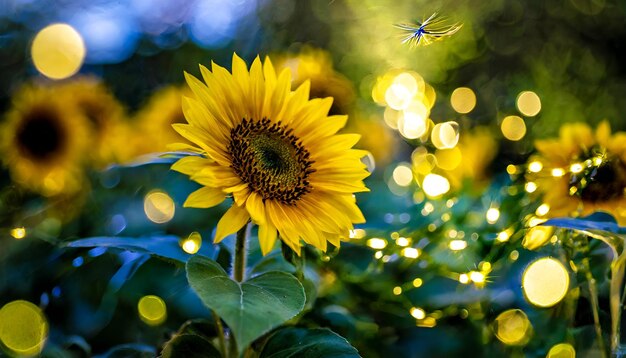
(191, 164)
(241, 194)
(292, 240)
(199, 117)
(233, 220)
(267, 237)
(204, 197)
(240, 74)
(256, 208)
(603, 133)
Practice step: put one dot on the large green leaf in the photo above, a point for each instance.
(307, 343)
(251, 308)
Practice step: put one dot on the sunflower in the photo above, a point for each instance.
(316, 66)
(156, 117)
(43, 142)
(581, 172)
(103, 112)
(275, 151)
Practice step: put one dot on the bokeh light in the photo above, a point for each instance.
(492, 215)
(528, 103)
(23, 328)
(412, 124)
(445, 135)
(377, 243)
(58, 51)
(418, 313)
(398, 96)
(545, 282)
(562, 350)
(403, 175)
(435, 185)
(192, 243)
(513, 128)
(463, 100)
(535, 167)
(410, 252)
(159, 207)
(152, 310)
(18, 233)
(512, 327)
(457, 245)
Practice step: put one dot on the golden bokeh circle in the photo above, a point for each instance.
(58, 51)
(23, 328)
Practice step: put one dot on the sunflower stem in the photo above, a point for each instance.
(240, 254)
(593, 295)
(220, 331)
(239, 269)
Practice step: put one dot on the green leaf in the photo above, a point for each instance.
(307, 343)
(189, 346)
(160, 246)
(251, 308)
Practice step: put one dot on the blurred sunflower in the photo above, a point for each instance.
(275, 151)
(316, 66)
(376, 137)
(465, 165)
(469, 159)
(43, 142)
(156, 117)
(104, 115)
(581, 172)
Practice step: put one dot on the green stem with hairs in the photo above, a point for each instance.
(239, 269)
(239, 263)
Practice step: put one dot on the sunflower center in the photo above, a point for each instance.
(40, 136)
(270, 159)
(601, 182)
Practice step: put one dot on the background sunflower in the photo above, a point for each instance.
(44, 141)
(581, 172)
(104, 114)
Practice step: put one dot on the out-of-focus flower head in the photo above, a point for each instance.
(470, 158)
(465, 163)
(104, 116)
(316, 66)
(154, 121)
(376, 137)
(581, 172)
(44, 141)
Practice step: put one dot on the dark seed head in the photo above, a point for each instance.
(270, 159)
(40, 135)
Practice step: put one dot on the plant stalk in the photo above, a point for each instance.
(595, 306)
(220, 331)
(240, 254)
(617, 281)
(239, 269)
